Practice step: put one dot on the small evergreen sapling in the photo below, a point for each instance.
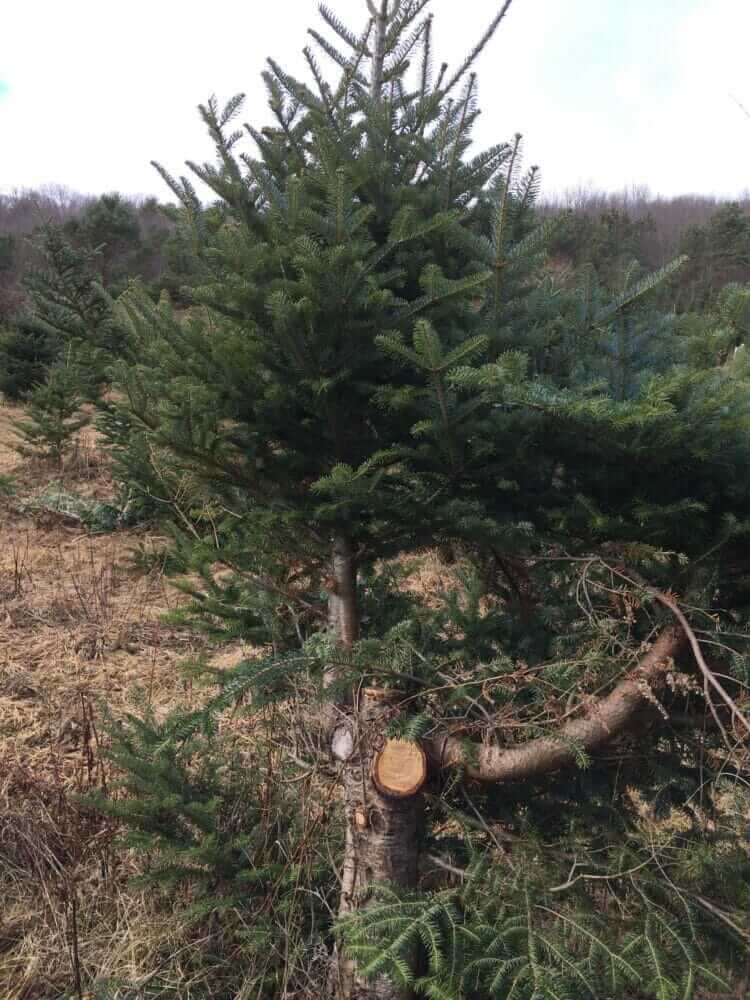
(54, 413)
(228, 837)
(67, 310)
(25, 352)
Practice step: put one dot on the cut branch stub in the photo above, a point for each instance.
(342, 743)
(400, 769)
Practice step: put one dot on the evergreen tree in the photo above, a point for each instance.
(719, 253)
(228, 840)
(54, 413)
(7, 252)
(371, 365)
(67, 311)
(109, 226)
(25, 352)
(608, 242)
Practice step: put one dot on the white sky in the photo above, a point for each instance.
(606, 92)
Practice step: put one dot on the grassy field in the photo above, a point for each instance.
(78, 624)
(81, 625)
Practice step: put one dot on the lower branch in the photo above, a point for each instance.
(608, 719)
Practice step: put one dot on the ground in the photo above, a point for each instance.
(79, 622)
(81, 625)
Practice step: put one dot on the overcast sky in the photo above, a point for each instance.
(606, 92)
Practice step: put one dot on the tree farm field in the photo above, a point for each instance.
(82, 635)
(78, 625)
(375, 535)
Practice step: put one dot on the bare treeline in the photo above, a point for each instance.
(24, 210)
(651, 228)
(21, 212)
(669, 216)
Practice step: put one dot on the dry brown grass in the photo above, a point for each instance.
(78, 625)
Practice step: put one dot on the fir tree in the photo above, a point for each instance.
(54, 413)
(719, 253)
(67, 310)
(228, 841)
(109, 226)
(371, 365)
(25, 352)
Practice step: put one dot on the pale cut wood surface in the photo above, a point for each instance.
(400, 769)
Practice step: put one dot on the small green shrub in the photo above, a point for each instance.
(25, 353)
(236, 846)
(54, 413)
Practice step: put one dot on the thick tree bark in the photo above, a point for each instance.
(604, 721)
(383, 831)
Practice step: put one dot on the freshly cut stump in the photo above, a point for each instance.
(400, 769)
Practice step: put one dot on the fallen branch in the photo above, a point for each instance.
(610, 717)
(709, 677)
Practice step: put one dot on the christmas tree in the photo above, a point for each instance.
(54, 413)
(371, 365)
(68, 311)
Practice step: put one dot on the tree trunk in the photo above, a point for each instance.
(343, 626)
(382, 780)
(381, 17)
(343, 612)
(382, 830)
